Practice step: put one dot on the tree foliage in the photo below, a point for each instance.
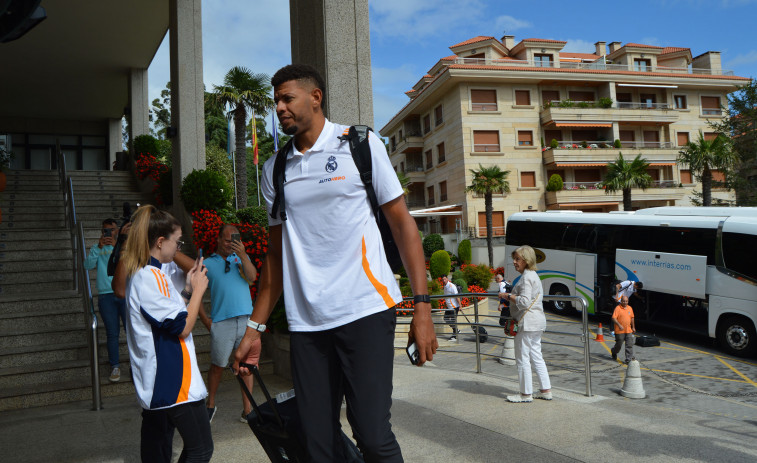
(703, 156)
(740, 125)
(439, 264)
(243, 93)
(432, 243)
(623, 175)
(487, 181)
(464, 252)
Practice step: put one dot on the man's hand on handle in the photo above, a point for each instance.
(247, 352)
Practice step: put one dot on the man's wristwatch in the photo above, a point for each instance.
(256, 326)
(186, 294)
(421, 298)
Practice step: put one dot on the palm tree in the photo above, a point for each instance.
(488, 180)
(623, 176)
(243, 92)
(404, 181)
(703, 156)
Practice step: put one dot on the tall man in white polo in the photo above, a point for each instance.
(230, 274)
(339, 291)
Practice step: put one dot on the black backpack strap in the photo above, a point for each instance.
(279, 177)
(360, 148)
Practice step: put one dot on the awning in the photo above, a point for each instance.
(606, 203)
(583, 124)
(580, 164)
(662, 163)
(456, 209)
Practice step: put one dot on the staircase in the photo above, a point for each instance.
(44, 354)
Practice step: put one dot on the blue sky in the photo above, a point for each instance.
(409, 36)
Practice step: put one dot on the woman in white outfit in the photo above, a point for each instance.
(526, 307)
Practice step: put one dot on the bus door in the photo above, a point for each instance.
(586, 272)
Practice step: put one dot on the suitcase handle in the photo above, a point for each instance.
(256, 373)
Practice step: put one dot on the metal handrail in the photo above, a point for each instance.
(81, 276)
(584, 336)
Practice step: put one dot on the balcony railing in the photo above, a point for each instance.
(598, 144)
(483, 106)
(481, 148)
(641, 105)
(712, 112)
(598, 185)
(602, 66)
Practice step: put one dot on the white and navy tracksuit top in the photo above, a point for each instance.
(163, 364)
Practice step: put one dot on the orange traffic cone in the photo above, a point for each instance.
(600, 334)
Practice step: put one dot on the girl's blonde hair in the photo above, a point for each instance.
(147, 225)
(528, 255)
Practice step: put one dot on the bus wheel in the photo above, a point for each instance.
(560, 307)
(736, 336)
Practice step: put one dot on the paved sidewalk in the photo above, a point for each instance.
(438, 415)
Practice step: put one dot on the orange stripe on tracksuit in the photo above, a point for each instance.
(380, 288)
(186, 377)
(162, 285)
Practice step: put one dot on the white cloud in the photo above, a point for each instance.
(389, 87)
(422, 19)
(508, 24)
(742, 60)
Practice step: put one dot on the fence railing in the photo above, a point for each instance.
(81, 276)
(601, 66)
(583, 336)
(604, 144)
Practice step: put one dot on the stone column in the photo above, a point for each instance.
(187, 91)
(139, 116)
(333, 36)
(114, 140)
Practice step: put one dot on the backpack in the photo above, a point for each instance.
(357, 136)
(459, 288)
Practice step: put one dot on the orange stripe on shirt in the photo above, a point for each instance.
(186, 377)
(161, 282)
(382, 290)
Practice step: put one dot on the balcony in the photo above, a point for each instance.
(570, 116)
(603, 152)
(594, 66)
(412, 143)
(585, 193)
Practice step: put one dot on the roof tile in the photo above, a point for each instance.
(479, 38)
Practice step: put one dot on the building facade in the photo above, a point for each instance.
(535, 111)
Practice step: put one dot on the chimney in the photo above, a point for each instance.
(508, 41)
(601, 48)
(614, 46)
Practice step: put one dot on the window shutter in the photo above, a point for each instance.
(683, 138)
(686, 177)
(522, 97)
(528, 179)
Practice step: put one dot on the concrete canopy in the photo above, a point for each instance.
(75, 64)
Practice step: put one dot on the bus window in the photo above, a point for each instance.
(738, 253)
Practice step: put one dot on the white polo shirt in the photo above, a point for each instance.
(335, 269)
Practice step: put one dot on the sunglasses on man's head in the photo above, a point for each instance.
(227, 267)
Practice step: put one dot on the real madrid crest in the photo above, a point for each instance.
(331, 164)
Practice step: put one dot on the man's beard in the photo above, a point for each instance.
(291, 130)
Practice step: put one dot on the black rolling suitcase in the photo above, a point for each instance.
(277, 426)
(477, 329)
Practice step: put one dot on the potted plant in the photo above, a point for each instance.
(5, 162)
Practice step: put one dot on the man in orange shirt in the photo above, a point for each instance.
(622, 319)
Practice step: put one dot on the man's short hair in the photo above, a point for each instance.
(301, 73)
(639, 285)
(110, 222)
(223, 228)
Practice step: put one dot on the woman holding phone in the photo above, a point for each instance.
(160, 319)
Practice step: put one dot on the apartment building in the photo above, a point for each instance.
(535, 111)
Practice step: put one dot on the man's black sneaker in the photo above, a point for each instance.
(615, 356)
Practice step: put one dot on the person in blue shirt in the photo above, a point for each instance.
(111, 308)
(230, 274)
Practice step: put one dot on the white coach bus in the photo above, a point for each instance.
(697, 265)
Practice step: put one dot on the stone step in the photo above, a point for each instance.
(35, 254)
(44, 336)
(38, 196)
(23, 187)
(26, 288)
(26, 242)
(19, 323)
(24, 303)
(27, 265)
(34, 234)
(100, 174)
(9, 209)
(21, 223)
(31, 215)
